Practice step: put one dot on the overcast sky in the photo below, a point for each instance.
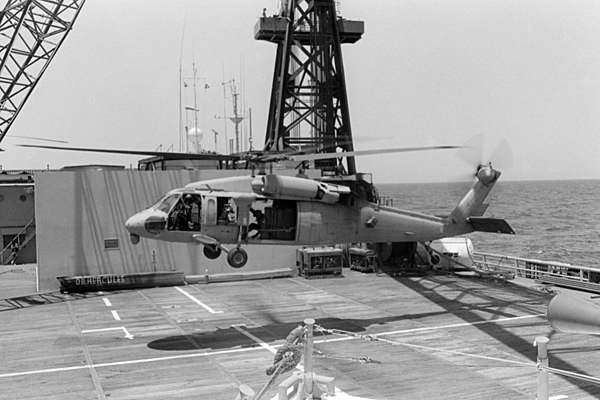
(425, 73)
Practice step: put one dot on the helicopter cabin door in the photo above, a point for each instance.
(219, 218)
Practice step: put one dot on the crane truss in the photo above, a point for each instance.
(31, 32)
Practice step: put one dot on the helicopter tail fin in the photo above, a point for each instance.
(472, 204)
(469, 211)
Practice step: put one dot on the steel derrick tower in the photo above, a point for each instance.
(309, 103)
(31, 31)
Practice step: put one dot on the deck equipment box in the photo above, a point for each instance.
(319, 262)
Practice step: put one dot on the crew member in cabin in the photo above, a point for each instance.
(257, 227)
(227, 215)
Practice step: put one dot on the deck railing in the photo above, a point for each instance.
(552, 272)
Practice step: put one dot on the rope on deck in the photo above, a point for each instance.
(286, 358)
(539, 366)
(575, 375)
(375, 338)
(288, 361)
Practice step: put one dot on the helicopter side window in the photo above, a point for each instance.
(226, 213)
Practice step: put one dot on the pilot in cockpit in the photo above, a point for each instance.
(192, 207)
(178, 220)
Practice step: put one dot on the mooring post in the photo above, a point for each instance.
(542, 361)
(308, 355)
(246, 393)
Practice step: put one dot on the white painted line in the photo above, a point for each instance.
(257, 340)
(115, 315)
(102, 329)
(127, 362)
(429, 328)
(127, 334)
(195, 300)
(107, 302)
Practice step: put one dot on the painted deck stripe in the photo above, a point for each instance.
(429, 328)
(127, 362)
(107, 302)
(257, 340)
(195, 300)
(127, 334)
(115, 315)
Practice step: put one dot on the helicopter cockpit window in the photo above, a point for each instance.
(166, 203)
(185, 215)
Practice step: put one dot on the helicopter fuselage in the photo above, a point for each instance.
(232, 217)
(273, 210)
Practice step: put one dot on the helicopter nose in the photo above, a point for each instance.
(145, 223)
(135, 225)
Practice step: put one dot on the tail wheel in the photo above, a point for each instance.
(237, 257)
(211, 252)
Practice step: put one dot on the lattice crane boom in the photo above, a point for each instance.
(31, 32)
(309, 103)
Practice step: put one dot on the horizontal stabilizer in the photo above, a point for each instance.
(492, 225)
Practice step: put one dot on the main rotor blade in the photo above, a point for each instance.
(37, 138)
(191, 156)
(325, 156)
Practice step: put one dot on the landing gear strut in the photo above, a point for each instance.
(237, 257)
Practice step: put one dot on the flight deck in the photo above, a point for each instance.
(441, 336)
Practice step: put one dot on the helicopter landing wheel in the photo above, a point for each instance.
(237, 257)
(211, 252)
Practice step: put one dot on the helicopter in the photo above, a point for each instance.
(225, 214)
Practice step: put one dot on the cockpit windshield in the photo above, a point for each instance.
(166, 203)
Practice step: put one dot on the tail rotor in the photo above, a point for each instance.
(475, 154)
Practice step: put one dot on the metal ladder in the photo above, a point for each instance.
(7, 256)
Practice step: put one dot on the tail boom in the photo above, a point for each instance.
(467, 216)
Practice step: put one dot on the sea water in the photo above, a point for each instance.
(553, 220)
